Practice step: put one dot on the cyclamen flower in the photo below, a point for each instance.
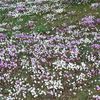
(97, 97)
(12, 50)
(97, 87)
(98, 20)
(23, 36)
(96, 46)
(2, 36)
(20, 8)
(6, 64)
(1, 64)
(88, 21)
(74, 52)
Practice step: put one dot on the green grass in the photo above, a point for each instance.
(42, 25)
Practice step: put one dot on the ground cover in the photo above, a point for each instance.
(49, 51)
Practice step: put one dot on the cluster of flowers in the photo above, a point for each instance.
(51, 65)
(90, 21)
(46, 64)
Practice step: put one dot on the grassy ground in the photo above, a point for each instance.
(41, 24)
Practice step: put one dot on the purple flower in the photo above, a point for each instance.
(98, 36)
(97, 97)
(12, 50)
(96, 46)
(7, 64)
(98, 20)
(73, 42)
(23, 36)
(97, 87)
(20, 8)
(88, 21)
(1, 64)
(2, 36)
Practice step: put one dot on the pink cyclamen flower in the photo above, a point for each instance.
(97, 87)
(2, 36)
(88, 21)
(98, 20)
(20, 8)
(96, 46)
(1, 64)
(96, 97)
